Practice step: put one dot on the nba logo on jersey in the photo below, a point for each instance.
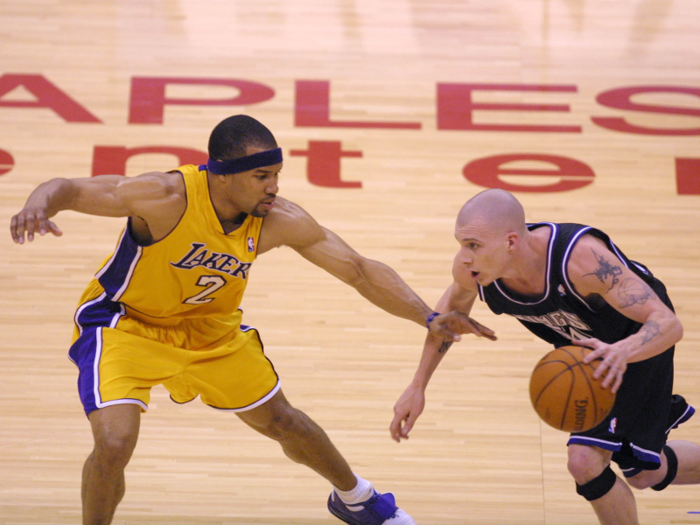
(251, 244)
(613, 425)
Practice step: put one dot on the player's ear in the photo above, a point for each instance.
(512, 240)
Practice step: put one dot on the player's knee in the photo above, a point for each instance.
(115, 430)
(598, 486)
(287, 424)
(642, 480)
(283, 424)
(651, 478)
(591, 471)
(584, 464)
(114, 449)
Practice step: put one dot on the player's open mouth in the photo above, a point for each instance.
(475, 274)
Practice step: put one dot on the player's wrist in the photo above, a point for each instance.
(419, 383)
(430, 318)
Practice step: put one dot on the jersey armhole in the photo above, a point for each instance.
(187, 207)
(565, 267)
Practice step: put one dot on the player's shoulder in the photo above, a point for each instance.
(286, 209)
(288, 224)
(591, 256)
(168, 182)
(587, 246)
(287, 214)
(174, 180)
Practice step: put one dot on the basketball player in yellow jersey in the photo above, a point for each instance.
(163, 309)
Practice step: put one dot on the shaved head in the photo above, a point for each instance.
(495, 210)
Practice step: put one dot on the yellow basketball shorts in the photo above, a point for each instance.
(121, 358)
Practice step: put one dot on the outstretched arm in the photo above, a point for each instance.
(290, 225)
(596, 271)
(155, 197)
(374, 280)
(412, 402)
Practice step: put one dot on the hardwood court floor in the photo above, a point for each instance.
(407, 69)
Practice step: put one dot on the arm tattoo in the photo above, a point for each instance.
(633, 291)
(605, 270)
(649, 330)
(445, 346)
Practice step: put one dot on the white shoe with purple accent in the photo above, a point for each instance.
(380, 509)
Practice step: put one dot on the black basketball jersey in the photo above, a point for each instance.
(561, 314)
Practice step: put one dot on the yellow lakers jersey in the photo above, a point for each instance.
(196, 271)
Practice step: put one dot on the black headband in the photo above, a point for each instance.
(257, 160)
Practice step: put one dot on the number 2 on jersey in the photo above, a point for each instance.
(211, 284)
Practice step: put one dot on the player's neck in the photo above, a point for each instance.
(230, 216)
(529, 266)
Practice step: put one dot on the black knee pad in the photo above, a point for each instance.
(598, 487)
(672, 469)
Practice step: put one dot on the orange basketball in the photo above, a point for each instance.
(564, 393)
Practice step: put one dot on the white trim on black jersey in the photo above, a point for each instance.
(565, 263)
(550, 250)
(567, 256)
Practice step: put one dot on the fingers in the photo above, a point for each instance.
(610, 372)
(608, 362)
(615, 369)
(406, 411)
(17, 229)
(445, 330)
(54, 229)
(450, 325)
(604, 368)
(27, 223)
(617, 384)
(21, 223)
(399, 431)
(407, 426)
(612, 380)
(484, 331)
(394, 429)
(401, 426)
(13, 229)
(441, 328)
(609, 376)
(594, 344)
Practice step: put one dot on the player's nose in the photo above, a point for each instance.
(466, 258)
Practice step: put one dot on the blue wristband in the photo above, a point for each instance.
(430, 319)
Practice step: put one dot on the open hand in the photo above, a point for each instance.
(31, 220)
(612, 364)
(450, 325)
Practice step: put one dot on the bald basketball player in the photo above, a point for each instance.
(164, 308)
(569, 283)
